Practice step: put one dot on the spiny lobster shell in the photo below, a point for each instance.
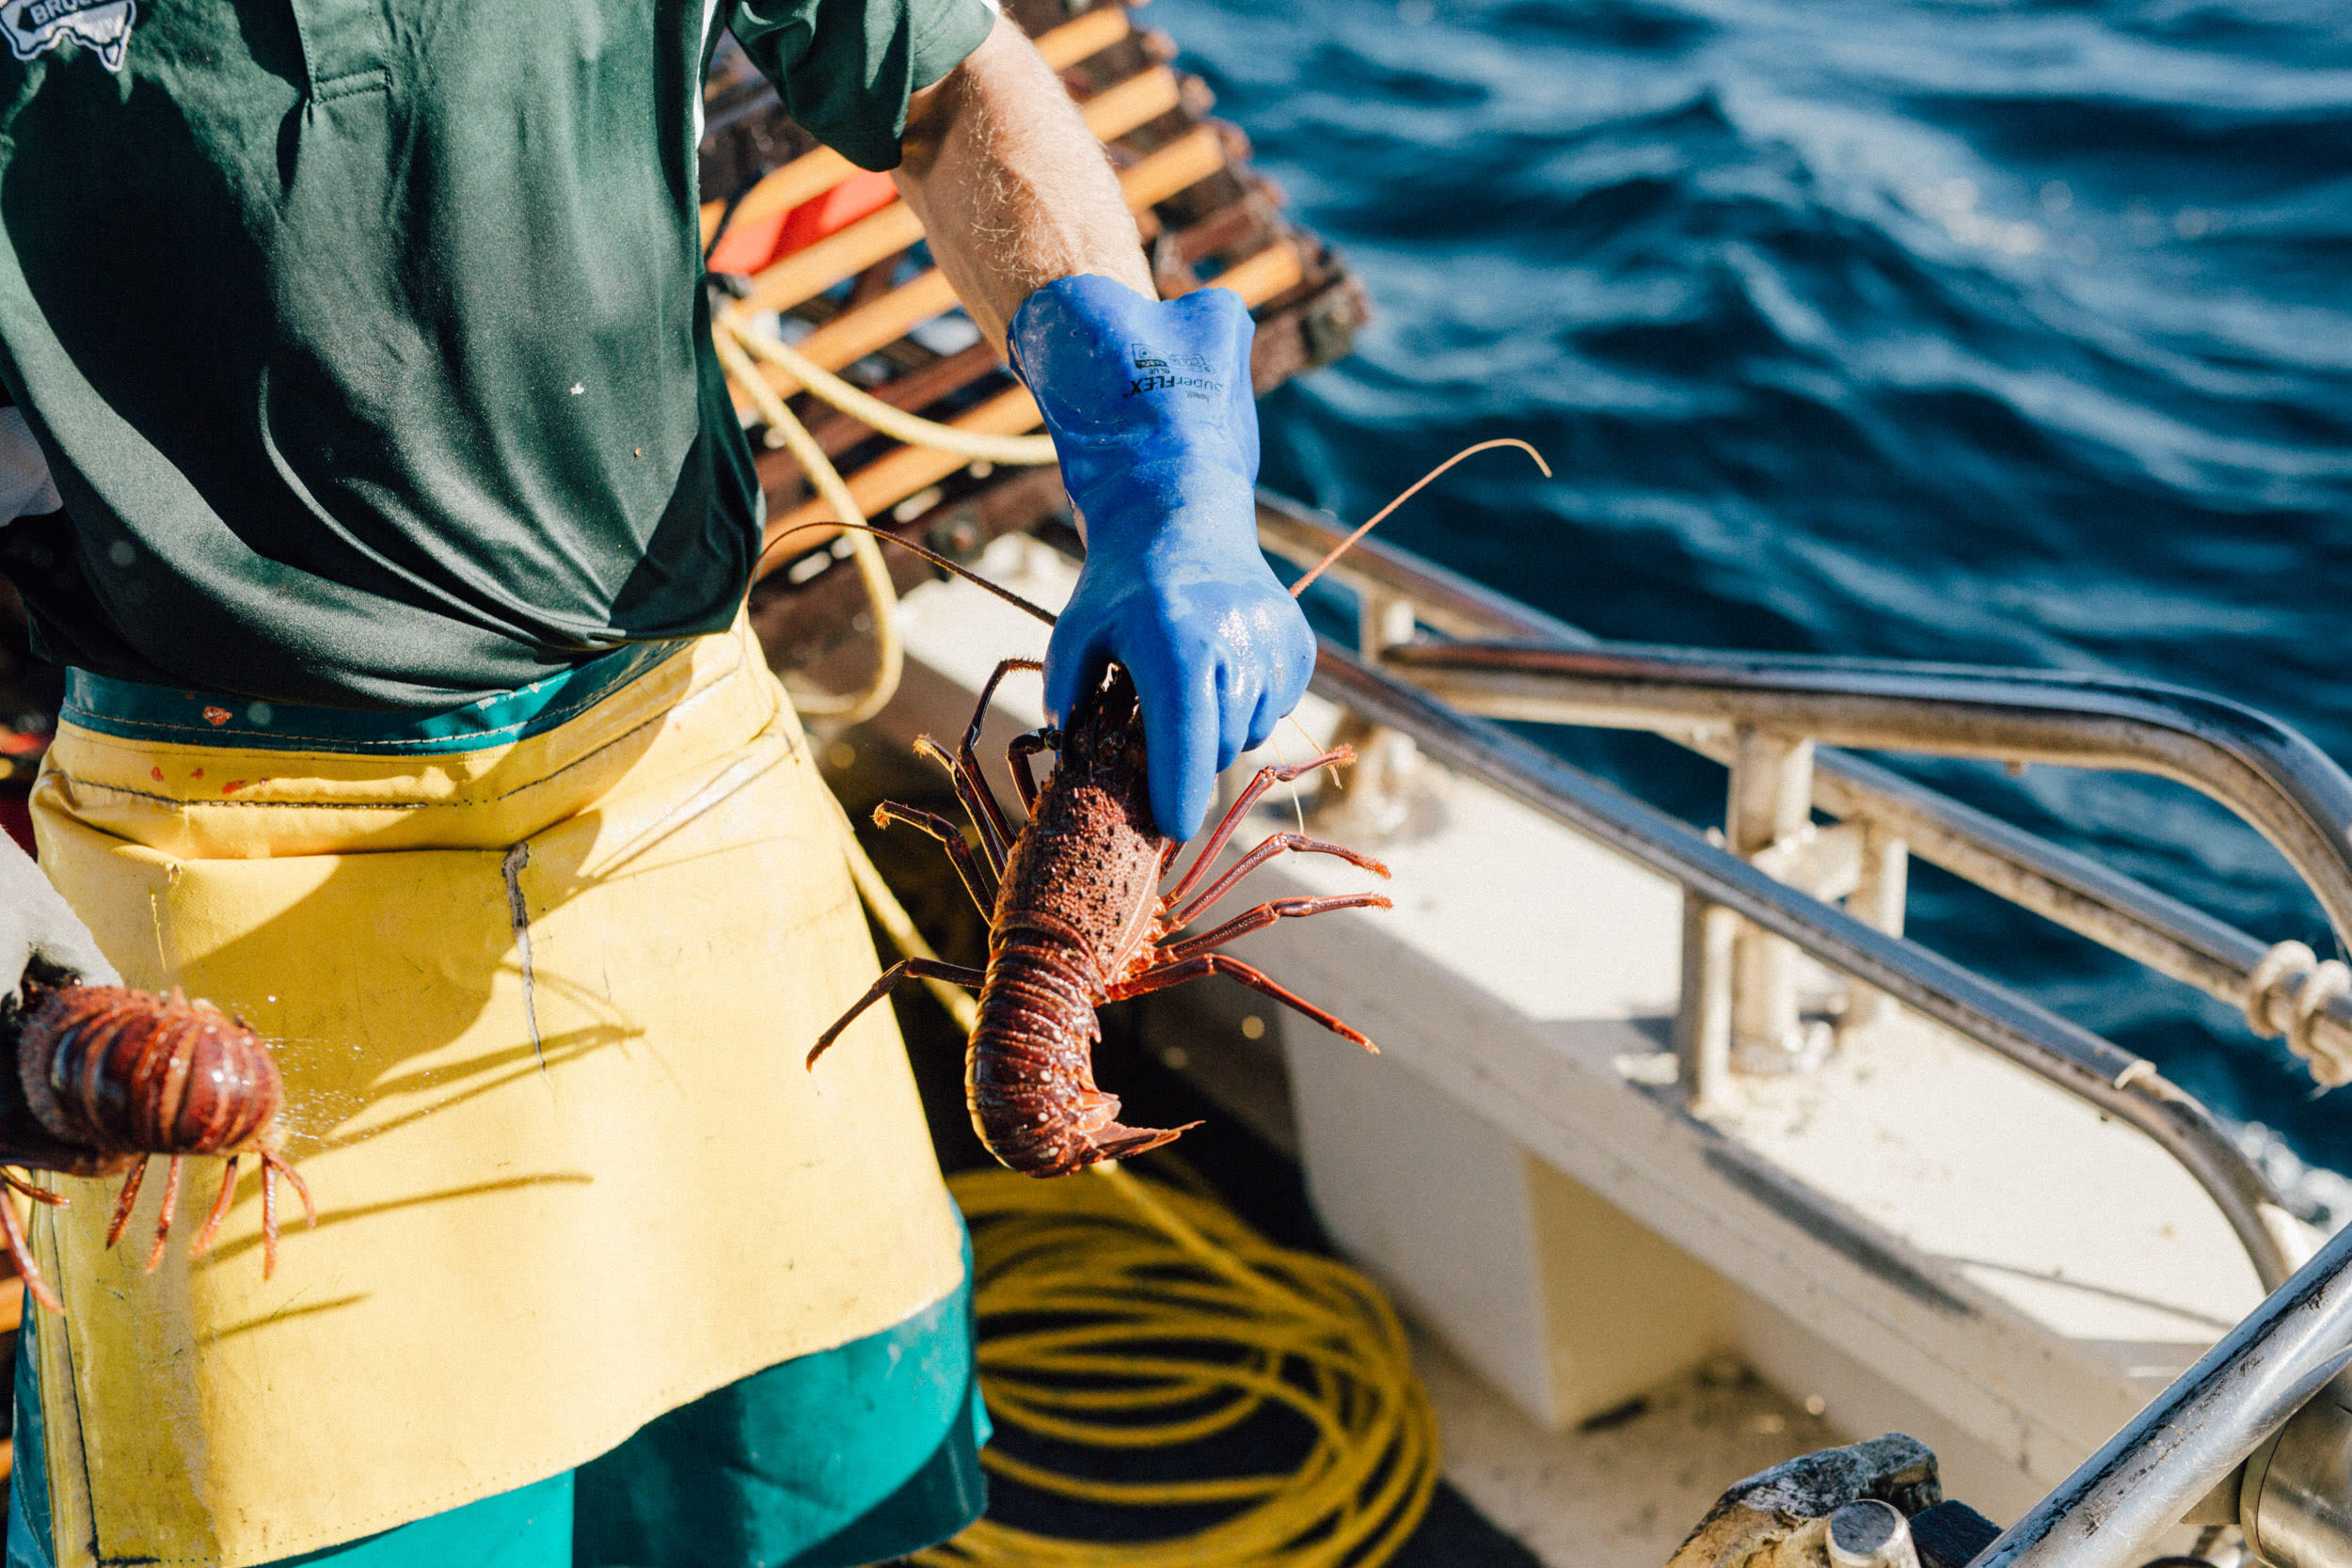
(1075, 905)
(1088, 859)
(110, 1068)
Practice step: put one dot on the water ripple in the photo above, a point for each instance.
(1954, 329)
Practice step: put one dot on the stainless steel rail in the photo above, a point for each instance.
(2074, 891)
(2256, 1379)
(2116, 911)
(2065, 1054)
(2278, 782)
(2195, 1433)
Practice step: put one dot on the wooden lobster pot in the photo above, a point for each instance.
(821, 242)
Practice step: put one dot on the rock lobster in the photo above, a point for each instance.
(1076, 917)
(110, 1075)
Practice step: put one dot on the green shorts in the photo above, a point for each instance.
(851, 1455)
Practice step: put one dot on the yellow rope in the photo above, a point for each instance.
(881, 595)
(1118, 1314)
(1033, 451)
(1131, 1314)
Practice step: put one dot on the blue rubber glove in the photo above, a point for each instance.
(1151, 410)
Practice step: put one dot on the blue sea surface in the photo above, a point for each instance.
(1998, 333)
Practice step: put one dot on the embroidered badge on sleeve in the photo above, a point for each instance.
(34, 27)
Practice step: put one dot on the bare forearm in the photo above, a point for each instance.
(1013, 189)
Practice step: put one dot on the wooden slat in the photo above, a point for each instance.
(853, 335)
(889, 480)
(812, 174)
(1270, 274)
(1136, 102)
(805, 273)
(1181, 164)
(1084, 37)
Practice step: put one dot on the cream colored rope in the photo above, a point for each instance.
(881, 593)
(2287, 994)
(1032, 450)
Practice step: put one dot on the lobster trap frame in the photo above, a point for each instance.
(865, 301)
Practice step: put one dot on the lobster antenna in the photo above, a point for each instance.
(934, 557)
(1047, 616)
(1349, 542)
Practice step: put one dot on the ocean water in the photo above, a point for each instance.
(2000, 333)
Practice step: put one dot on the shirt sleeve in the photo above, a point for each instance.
(846, 67)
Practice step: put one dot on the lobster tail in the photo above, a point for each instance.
(121, 1073)
(112, 1068)
(1028, 1075)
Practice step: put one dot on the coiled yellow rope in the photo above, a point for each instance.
(1131, 1315)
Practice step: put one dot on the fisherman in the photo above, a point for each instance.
(367, 463)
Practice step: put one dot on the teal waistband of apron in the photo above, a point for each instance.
(132, 710)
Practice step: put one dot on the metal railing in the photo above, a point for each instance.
(1764, 889)
(2261, 1377)
(2281, 988)
(2067, 1054)
(1770, 879)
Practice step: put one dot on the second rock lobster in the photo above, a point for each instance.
(110, 1075)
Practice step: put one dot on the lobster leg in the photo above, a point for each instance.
(1267, 778)
(996, 839)
(123, 1203)
(1225, 964)
(1267, 914)
(171, 1200)
(968, 758)
(21, 1252)
(905, 969)
(220, 1209)
(978, 883)
(272, 1169)
(1274, 846)
(1017, 762)
(42, 1196)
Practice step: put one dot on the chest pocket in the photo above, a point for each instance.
(346, 46)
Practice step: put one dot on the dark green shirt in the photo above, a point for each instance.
(364, 339)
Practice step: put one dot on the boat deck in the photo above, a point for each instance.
(1520, 1170)
(1623, 1487)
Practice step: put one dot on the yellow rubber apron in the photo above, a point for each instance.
(541, 1002)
